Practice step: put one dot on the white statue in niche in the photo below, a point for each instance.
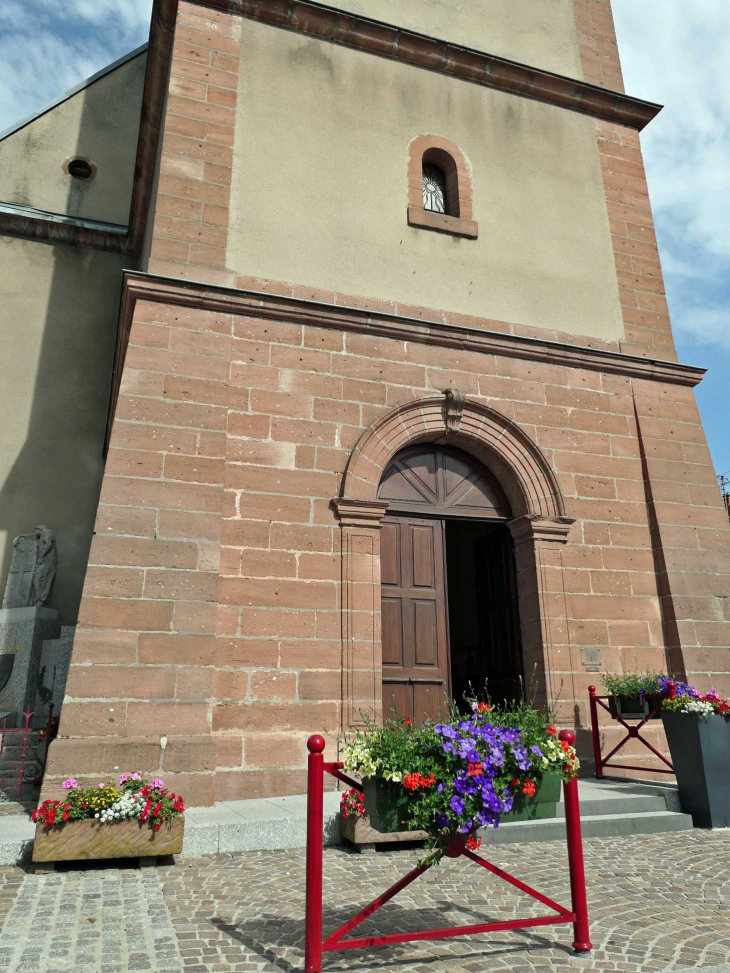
(32, 569)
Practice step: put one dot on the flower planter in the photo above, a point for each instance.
(634, 707)
(359, 831)
(700, 749)
(83, 840)
(387, 805)
(543, 804)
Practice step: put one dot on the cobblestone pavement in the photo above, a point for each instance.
(657, 903)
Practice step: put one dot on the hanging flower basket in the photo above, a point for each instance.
(128, 819)
(450, 779)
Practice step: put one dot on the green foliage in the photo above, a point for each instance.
(632, 683)
(462, 774)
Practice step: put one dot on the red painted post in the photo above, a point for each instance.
(595, 732)
(582, 942)
(672, 690)
(315, 829)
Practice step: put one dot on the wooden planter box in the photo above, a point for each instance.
(83, 840)
(360, 832)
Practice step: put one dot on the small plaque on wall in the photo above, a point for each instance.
(591, 659)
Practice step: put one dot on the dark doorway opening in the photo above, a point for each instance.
(449, 608)
(484, 638)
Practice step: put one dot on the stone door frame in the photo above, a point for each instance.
(540, 528)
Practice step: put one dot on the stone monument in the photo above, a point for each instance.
(25, 620)
(32, 569)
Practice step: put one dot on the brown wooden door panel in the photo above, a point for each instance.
(414, 625)
(424, 622)
(430, 701)
(397, 699)
(391, 623)
(389, 554)
(422, 555)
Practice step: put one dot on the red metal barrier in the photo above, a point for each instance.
(315, 945)
(633, 732)
(31, 741)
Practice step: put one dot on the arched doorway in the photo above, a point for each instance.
(449, 596)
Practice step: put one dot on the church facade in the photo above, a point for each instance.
(395, 407)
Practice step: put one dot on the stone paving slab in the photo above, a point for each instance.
(658, 904)
(90, 921)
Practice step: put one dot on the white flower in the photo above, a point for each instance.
(697, 706)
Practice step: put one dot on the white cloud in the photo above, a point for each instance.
(705, 325)
(121, 15)
(47, 47)
(677, 53)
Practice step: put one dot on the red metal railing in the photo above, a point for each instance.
(32, 743)
(633, 732)
(315, 945)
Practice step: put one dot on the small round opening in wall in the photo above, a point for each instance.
(80, 169)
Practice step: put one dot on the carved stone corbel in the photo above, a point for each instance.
(454, 402)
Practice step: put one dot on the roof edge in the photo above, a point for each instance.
(17, 126)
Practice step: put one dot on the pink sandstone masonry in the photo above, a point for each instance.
(231, 605)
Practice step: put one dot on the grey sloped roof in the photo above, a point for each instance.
(72, 91)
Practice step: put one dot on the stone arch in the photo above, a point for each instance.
(515, 459)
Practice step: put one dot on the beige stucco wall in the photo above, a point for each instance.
(58, 317)
(100, 123)
(319, 192)
(537, 32)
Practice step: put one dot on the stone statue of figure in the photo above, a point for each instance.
(32, 569)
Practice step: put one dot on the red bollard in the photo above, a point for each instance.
(315, 829)
(596, 733)
(582, 942)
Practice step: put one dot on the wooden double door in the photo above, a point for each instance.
(448, 611)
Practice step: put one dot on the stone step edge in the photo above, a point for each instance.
(230, 837)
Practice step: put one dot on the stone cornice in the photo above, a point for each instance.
(168, 290)
(386, 40)
(528, 529)
(360, 513)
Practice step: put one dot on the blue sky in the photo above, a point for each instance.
(672, 51)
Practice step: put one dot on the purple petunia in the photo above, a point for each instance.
(444, 730)
(442, 820)
(522, 758)
(467, 746)
(466, 826)
(449, 748)
(465, 784)
(457, 804)
(513, 735)
(538, 752)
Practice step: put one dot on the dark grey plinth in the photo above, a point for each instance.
(22, 631)
(700, 749)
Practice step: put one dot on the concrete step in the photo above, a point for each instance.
(593, 826)
(16, 839)
(608, 809)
